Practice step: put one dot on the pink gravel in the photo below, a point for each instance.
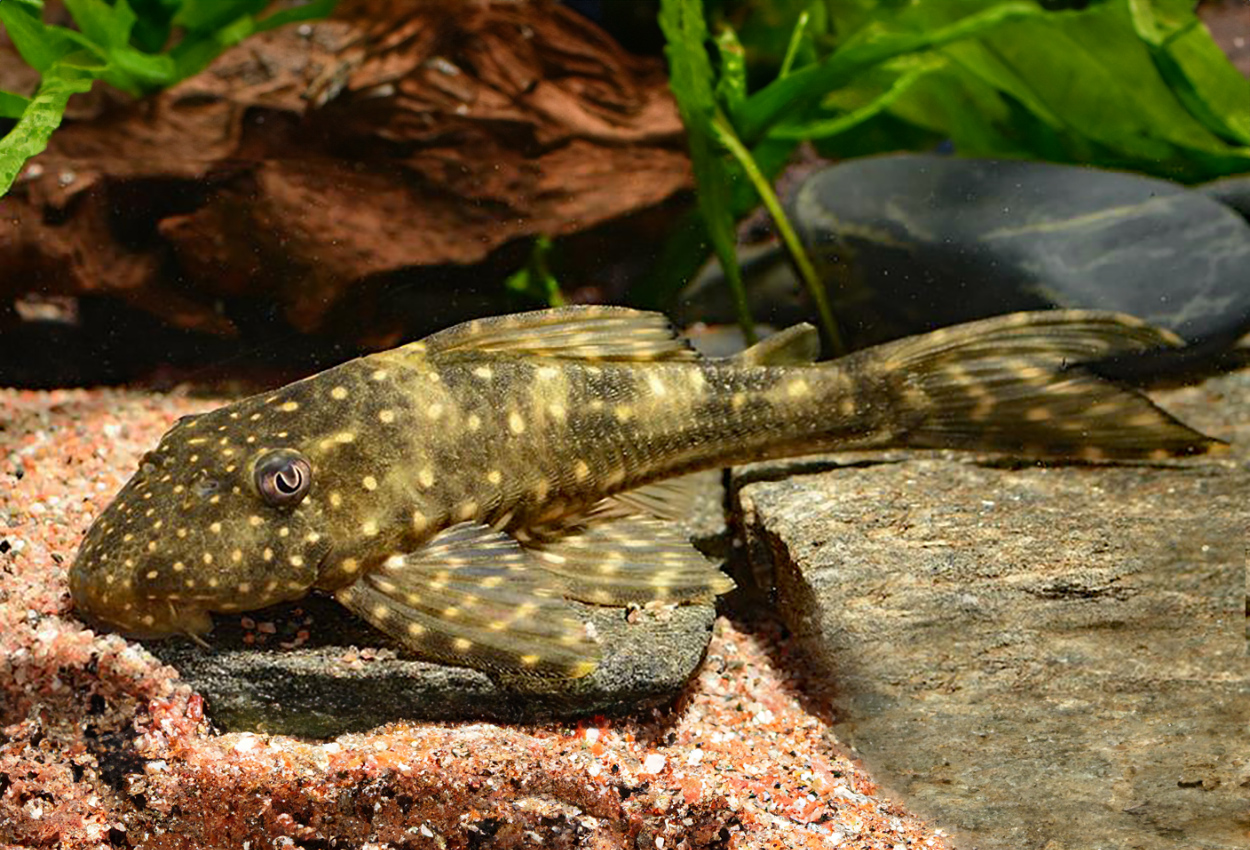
(101, 746)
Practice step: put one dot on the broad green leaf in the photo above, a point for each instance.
(12, 105)
(107, 25)
(39, 44)
(41, 116)
(872, 45)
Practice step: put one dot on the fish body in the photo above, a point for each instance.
(458, 491)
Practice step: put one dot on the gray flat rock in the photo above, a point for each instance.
(1033, 657)
(346, 676)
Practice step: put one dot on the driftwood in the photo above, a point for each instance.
(306, 167)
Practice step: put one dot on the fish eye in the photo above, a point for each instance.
(283, 477)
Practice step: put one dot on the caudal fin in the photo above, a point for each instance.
(1016, 384)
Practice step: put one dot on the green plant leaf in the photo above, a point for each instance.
(40, 45)
(206, 16)
(13, 105)
(691, 80)
(311, 11)
(109, 26)
(42, 115)
(535, 280)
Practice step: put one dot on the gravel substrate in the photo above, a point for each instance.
(101, 746)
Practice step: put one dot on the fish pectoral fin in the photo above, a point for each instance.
(797, 345)
(671, 499)
(632, 559)
(579, 332)
(473, 597)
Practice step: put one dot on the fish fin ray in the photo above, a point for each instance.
(630, 559)
(1016, 384)
(584, 332)
(797, 345)
(670, 499)
(473, 597)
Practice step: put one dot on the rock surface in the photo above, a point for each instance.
(1033, 657)
(327, 687)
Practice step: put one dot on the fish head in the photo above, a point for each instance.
(220, 516)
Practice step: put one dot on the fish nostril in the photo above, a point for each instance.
(205, 487)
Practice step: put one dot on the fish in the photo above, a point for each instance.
(465, 492)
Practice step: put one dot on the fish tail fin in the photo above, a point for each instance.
(1016, 384)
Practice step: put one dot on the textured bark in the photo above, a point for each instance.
(309, 164)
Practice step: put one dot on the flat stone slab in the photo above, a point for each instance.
(346, 676)
(1033, 657)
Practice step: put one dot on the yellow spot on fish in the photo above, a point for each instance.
(623, 412)
(338, 393)
(152, 546)
(387, 416)
(312, 537)
(378, 375)
(289, 407)
(267, 555)
(381, 612)
(254, 521)
(581, 470)
(208, 557)
(529, 660)
(515, 423)
(369, 482)
(484, 372)
(797, 388)
(416, 629)
(345, 437)
(557, 411)
(349, 565)
(474, 422)
(369, 528)
(541, 489)
(426, 477)
(236, 555)
(656, 385)
(179, 566)
(419, 522)
(284, 531)
(434, 411)
(336, 500)
(462, 644)
(494, 476)
(467, 510)
(151, 574)
(215, 527)
(296, 560)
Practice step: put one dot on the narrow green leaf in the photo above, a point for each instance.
(796, 40)
(42, 115)
(731, 87)
(311, 11)
(206, 16)
(691, 80)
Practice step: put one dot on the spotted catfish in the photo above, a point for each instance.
(458, 492)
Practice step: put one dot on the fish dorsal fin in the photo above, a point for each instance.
(797, 345)
(601, 333)
(473, 597)
(630, 559)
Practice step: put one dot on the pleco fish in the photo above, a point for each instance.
(457, 492)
